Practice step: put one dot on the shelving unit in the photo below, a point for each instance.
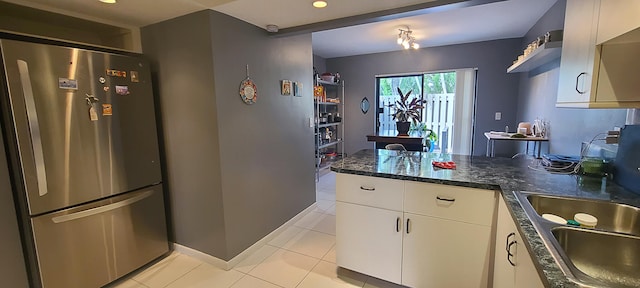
(540, 56)
(329, 133)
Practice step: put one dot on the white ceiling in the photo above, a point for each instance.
(499, 20)
(505, 19)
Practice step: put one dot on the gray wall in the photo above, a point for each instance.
(266, 149)
(320, 64)
(183, 76)
(538, 92)
(235, 172)
(13, 271)
(497, 90)
(31, 21)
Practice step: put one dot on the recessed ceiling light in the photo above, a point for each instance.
(108, 1)
(319, 4)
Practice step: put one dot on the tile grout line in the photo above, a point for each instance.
(264, 280)
(234, 283)
(262, 261)
(308, 272)
(280, 248)
(184, 274)
(325, 233)
(134, 280)
(285, 249)
(302, 227)
(325, 254)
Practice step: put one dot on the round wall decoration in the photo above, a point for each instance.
(248, 90)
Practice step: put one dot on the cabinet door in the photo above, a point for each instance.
(369, 240)
(526, 272)
(504, 272)
(520, 272)
(445, 253)
(578, 50)
(616, 18)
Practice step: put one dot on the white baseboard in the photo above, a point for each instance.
(216, 262)
(228, 265)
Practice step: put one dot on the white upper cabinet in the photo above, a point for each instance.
(617, 17)
(599, 76)
(578, 50)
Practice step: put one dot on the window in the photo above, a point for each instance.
(448, 98)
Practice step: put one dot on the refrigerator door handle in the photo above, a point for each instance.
(101, 209)
(34, 127)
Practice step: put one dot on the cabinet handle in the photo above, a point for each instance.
(506, 246)
(408, 221)
(445, 199)
(398, 224)
(509, 255)
(368, 188)
(577, 80)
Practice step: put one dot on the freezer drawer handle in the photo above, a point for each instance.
(34, 127)
(367, 188)
(101, 209)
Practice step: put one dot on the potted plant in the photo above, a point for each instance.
(406, 111)
(429, 136)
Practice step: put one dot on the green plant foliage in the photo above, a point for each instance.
(405, 83)
(406, 110)
(426, 132)
(440, 83)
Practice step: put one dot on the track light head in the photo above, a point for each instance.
(406, 40)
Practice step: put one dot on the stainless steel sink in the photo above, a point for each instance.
(614, 217)
(607, 256)
(610, 258)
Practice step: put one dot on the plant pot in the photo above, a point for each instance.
(403, 128)
(427, 144)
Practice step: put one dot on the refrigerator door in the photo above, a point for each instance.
(107, 239)
(84, 122)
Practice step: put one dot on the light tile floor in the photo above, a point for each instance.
(302, 256)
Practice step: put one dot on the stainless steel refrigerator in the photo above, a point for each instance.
(80, 131)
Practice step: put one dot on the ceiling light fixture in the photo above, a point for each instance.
(108, 1)
(406, 40)
(320, 4)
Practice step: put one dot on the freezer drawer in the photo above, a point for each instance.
(108, 239)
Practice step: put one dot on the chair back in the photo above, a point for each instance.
(395, 147)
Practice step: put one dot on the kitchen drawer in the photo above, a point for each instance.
(450, 202)
(370, 191)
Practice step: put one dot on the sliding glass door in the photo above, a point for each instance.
(387, 89)
(449, 101)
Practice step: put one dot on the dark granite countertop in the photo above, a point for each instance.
(502, 174)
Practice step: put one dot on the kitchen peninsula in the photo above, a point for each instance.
(474, 175)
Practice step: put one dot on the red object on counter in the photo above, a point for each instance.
(444, 165)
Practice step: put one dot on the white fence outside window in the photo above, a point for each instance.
(437, 115)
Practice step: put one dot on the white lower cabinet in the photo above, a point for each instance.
(439, 237)
(445, 253)
(369, 240)
(513, 266)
